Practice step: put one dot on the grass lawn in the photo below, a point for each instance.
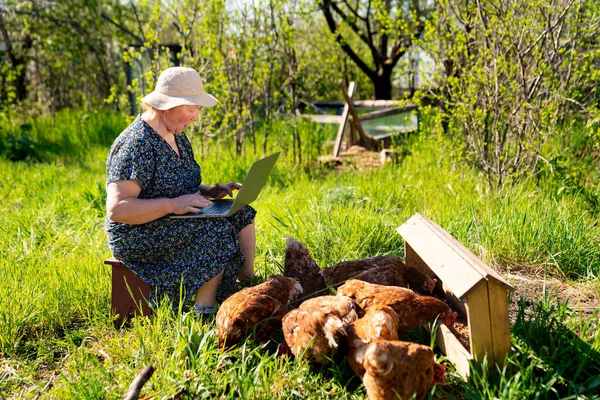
(57, 339)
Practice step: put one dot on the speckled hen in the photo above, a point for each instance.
(316, 328)
(413, 309)
(379, 322)
(382, 270)
(396, 369)
(299, 264)
(258, 309)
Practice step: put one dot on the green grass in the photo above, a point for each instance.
(55, 291)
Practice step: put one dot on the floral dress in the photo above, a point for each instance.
(175, 257)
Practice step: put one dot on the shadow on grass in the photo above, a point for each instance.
(561, 349)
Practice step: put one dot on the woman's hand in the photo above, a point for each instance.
(189, 203)
(220, 190)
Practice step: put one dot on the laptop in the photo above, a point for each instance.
(253, 184)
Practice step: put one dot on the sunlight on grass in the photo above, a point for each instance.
(55, 291)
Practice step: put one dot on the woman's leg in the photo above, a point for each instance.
(205, 296)
(247, 240)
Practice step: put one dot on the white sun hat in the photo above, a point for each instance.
(178, 86)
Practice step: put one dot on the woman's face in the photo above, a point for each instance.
(177, 119)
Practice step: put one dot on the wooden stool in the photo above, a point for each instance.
(123, 302)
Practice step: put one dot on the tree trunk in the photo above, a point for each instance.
(18, 61)
(383, 85)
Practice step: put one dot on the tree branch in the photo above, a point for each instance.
(541, 36)
(325, 6)
(397, 53)
(122, 28)
(352, 25)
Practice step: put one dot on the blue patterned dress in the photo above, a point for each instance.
(169, 254)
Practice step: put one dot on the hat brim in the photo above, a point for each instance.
(163, 102)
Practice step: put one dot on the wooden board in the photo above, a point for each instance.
(364, 139)
(449, 266)
(323, 119)
(455, 265)
(478, 317)
(455, 351)
(366, 104)
(343, 121)
(482, 268)
(500, 323)
(385, 113)
(413, 260)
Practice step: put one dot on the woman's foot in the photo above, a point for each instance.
(206, 295)
(203, 310)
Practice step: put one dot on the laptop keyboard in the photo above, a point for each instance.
(218, 207)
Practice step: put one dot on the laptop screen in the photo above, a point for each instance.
(253, 183)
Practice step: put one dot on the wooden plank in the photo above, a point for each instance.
(343, 122)
(476, 262)
(448, 265)
(323, 119)
(455, 351)
(386, 112)
(500, 324)
(420, 231)
(382, 103)
(367, 104)
(412, 259)
(478, 316)
(364, 139)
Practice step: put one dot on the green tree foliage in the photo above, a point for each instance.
(375, 34)
(58, 54)
(515, 73)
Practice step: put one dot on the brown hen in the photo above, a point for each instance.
(259, 308)
(299, 264)
(412, 309)
(379, 322)
(317, 326)
(399, 369)
(381, 270)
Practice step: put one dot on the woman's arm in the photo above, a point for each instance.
(124, 206)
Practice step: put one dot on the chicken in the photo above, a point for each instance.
(262, 306)
(299, 264)
(381, 270)
(379, 322)
(396, 368)
(412, 309)
(316, 328)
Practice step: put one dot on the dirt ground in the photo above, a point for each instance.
(358, 158)
(583, 297)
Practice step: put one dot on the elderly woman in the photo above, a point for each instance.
(151, 174)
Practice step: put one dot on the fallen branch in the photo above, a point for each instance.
(136, 386)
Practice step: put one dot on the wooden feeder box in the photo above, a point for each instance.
(471, 288)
